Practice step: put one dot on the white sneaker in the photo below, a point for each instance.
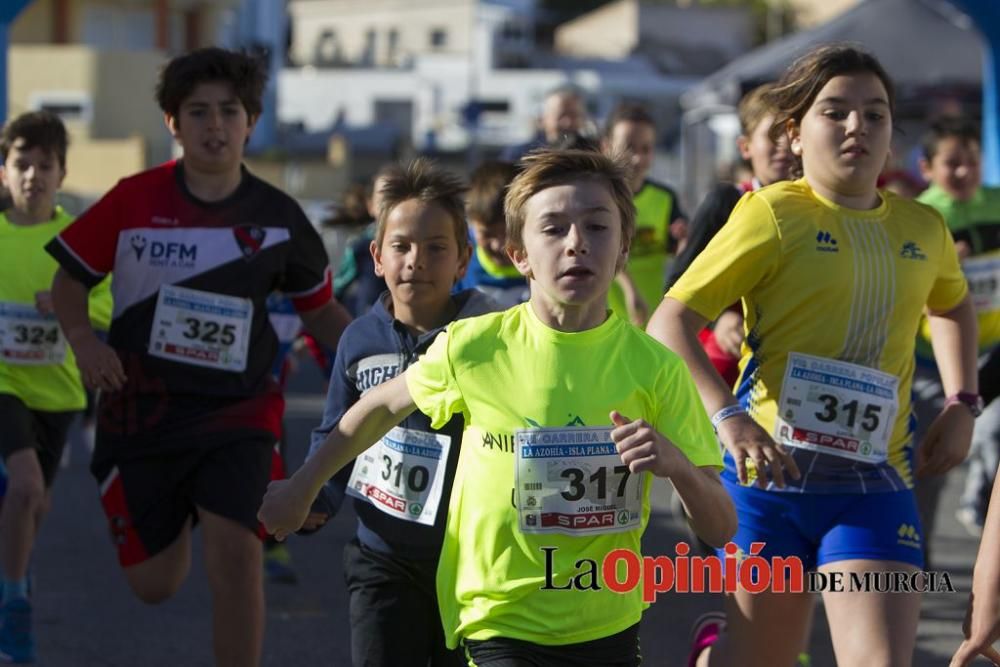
(970, 519)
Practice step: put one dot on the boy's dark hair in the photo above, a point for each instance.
(246, 73)
(946, 127)
(628, 112)
(487, 187)
(423, 180)
(36, 129)
(548, 168)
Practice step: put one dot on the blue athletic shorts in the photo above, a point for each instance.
(823, 528)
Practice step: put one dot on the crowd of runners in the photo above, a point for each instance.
(531, 347)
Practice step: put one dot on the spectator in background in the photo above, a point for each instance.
(490, 269)
(355, 283)
(769, 161)
(951, 164)
(660, 225)
(564, 112)
(346, 224)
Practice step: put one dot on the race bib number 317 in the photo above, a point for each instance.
(571, 480)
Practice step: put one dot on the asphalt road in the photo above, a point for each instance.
(86, 616)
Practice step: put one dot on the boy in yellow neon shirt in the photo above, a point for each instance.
(40, 387)
(660, 223)
(526, 376)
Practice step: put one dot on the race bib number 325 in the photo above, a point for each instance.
(201, 328)
(571, 480)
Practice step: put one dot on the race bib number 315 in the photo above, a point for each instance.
(571, 480)
(28, 338)
(201, 328)
(837, 407)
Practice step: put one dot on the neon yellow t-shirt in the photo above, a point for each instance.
(508, 371)
(25, 268)
(830, 282)
(656, 207)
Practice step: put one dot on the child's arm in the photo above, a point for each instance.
(642, 447)
(287, 502)
(677, 326)
(982, 618)
(100, 367)
(953, 335)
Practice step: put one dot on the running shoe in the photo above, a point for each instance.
(971, 520)
(278, 565)
(17, 643)
(705, 632)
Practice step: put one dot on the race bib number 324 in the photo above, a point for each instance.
(28, 338)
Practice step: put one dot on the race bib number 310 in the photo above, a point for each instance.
(28, 338)
(201, 328)
(837, 407)
(571, 480)
(403, 474)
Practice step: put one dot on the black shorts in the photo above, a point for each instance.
(148, 500)
(395, 620)
(24, 428)
(618, 650)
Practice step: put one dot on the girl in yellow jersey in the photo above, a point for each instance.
(833, 277)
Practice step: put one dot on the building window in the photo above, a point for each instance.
(439, 38)
(368, 53)
(327, 48)
(393, 46)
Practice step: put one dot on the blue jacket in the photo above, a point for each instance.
(373, 349)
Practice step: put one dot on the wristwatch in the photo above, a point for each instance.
(972, 401)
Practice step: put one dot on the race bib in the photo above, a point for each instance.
(836, 407)
(28, 338)
(403, 474)
(571, 480)
(983, 274)
(201, 328)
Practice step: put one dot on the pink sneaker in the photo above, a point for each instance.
(704, 633)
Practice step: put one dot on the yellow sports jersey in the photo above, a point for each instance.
(36, 363)
(536, 404)
(656, 207)
(832, 299)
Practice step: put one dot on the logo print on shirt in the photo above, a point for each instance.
(912, 251)
(249, 238)
(825, 242)
(138, 244)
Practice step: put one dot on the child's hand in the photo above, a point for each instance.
(285, 508)
(643, 448)
(43, 302)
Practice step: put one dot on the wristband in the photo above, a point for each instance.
(725, 413)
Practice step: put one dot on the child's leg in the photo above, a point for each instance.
(394, 615)
(872, 629)
(765, 629)
(878, 532)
